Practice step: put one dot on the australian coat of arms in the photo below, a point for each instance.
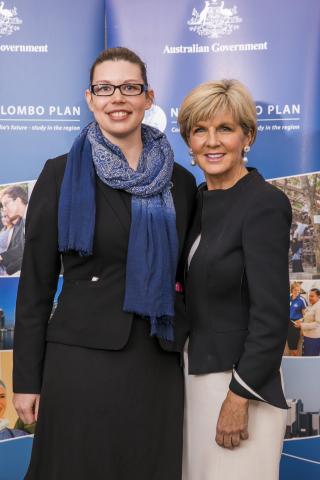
(214, 20)
(9, 20)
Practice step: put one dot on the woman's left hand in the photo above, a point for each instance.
(232, 425)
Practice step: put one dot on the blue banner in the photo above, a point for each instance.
(46, 51)
(271, 47)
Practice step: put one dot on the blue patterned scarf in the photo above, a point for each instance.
(153, 241)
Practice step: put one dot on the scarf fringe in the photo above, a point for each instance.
(162, 327)
(80, 251)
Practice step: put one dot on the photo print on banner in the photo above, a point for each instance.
(301, 449)
(303, 397)
(10, 425)
(303, 192)
(304, 319)
(14, 199)
(8, 297)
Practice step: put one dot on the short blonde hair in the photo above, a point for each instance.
(295, 285)
(204, 101)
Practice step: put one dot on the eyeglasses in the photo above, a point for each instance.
(127, 89)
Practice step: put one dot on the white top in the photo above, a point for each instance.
(193, 249)
(311, 321)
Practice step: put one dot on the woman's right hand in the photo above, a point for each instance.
(232, 425)
(27, 406)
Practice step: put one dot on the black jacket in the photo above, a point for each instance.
(12, 257)
(89, 313)
(237, 286)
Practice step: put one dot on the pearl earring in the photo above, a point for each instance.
(246, 150)
(192, 160)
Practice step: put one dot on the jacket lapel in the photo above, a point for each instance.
(120, 205)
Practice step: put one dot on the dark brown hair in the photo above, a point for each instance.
(315, 290)
(120, 53)
(14, 192)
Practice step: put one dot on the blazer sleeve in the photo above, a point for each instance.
(38, 282)
(265, 240)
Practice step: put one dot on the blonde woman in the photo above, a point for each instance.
(298, 304)
(236, 295)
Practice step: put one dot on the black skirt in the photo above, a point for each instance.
(293, 336)
(110, 415)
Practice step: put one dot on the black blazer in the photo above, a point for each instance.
(12, 257)
(237, 285)
(89, 313)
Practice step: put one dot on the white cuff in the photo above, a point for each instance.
(244, 385)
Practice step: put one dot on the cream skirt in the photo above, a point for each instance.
(257, 458)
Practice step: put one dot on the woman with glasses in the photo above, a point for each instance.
(103, 376)
(236, 295)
